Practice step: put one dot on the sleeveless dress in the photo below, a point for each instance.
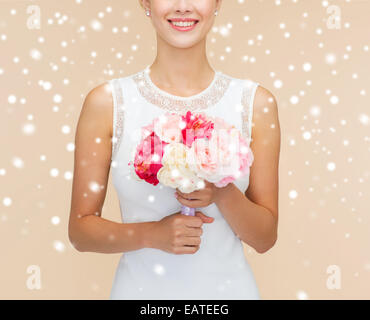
(219, 269)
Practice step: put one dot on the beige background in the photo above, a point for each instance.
(46, 73)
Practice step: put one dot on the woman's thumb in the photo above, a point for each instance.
(204, 218)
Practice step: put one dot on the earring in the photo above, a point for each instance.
(147, 13)
(216, 13)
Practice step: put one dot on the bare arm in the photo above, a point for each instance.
(87, 230)
(254, 216)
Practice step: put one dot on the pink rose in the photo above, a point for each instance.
(148, 158)
(168, 127)
(196, 127)
(147, 130)
(222, 159)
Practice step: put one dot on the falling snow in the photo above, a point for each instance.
(318, 74)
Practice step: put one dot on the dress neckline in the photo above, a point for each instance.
(210, 96)
(146, 72)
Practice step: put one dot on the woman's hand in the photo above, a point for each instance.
(178, 233)
(199, 198)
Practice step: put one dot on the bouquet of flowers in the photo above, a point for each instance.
(181, 151)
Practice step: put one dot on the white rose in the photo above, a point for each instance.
(176, 172)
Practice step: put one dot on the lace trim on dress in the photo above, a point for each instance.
(201, 101)
(118, 115)
(248, 94)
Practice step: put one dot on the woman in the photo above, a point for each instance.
(167, 255)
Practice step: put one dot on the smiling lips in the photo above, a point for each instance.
(186, 24)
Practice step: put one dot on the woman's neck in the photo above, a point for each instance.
(186, 71)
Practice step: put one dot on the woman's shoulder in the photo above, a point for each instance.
(251, 87)
(242, 81)
(102, 95)
(265, 109)
(264, 97)
(126, 77)
(97, 107)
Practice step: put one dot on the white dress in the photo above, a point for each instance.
(219, 269)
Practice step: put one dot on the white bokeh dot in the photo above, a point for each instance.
(55, 220)
(293, 194)
(331, 166)
(7, 202)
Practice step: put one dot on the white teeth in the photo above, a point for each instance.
(183, 24)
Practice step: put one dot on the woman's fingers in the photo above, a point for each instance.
(191, 241)
(188, 196)
(187, 250)
(193, 232)
(190, 203)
